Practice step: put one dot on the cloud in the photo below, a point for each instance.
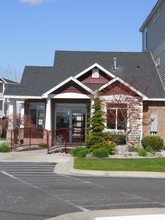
(35, 2)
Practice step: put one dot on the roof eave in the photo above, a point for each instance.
(22, 97)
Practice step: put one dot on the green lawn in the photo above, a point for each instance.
(147, 164)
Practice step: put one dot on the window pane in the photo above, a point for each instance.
(111, 119)
(37, 114)
(121, 119)
(1, 105)
(33, 116)
(1, 87)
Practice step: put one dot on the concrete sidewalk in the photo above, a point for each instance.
(115, 214)
(33, 156)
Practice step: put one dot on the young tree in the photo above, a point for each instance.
(124, 113)
(97, 121)
(96, 125)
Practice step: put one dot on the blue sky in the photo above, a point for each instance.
(31, 30)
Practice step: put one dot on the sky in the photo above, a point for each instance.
(32, 30)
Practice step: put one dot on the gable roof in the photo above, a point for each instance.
(94, 66)
(64, 82)
(125, 84)
(35, 81)
(8, 81)
(135, 68)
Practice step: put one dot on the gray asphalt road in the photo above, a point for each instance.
(31, 191)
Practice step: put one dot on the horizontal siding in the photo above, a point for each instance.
(156, 41)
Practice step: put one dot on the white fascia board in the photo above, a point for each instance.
(22, 97)
(124, 83)
(1, 78)
(64, 82)
(154, 99)
(93, 66)
(70, 95)
(56, 87)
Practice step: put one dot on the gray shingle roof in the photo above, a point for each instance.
(136, 68)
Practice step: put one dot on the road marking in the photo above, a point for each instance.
(7, 174)
(35, 187)
(13, 177)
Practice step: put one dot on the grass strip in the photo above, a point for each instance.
(138, 164)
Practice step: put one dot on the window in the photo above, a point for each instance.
(1, 87)
(95, 73)
(145, 39)
(156, 15)
(154, 18)
(37, 114)
(20, 108)
(117, 116)
(1, 105)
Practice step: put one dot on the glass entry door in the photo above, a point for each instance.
(71, 117)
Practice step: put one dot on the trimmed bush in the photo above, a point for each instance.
(4, 147)
(79, 152)
(100, 153)
(110, 146)
(142, 153)
(149, 149)
(42, 145)
(154, 142)
(119, 139)
(95, 138)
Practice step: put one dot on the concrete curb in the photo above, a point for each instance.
(66, 168)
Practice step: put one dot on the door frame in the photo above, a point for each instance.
(70, 107)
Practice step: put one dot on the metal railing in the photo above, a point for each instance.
(22, 138)
(55, 141)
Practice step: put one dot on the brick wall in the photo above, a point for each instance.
(158, 109)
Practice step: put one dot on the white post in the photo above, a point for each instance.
(12, 113)
(48, 115)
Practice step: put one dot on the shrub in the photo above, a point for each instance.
(96, 138)
(42, 145)
(100, 152)
(79, 152)
(163, 148)
(110, 146)
(4, 147)
(142, 153)
(149, 149)
(119, 139)
(154, 142)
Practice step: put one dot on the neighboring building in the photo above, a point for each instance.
(4, 83)
(61, 96)
(153, 36)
